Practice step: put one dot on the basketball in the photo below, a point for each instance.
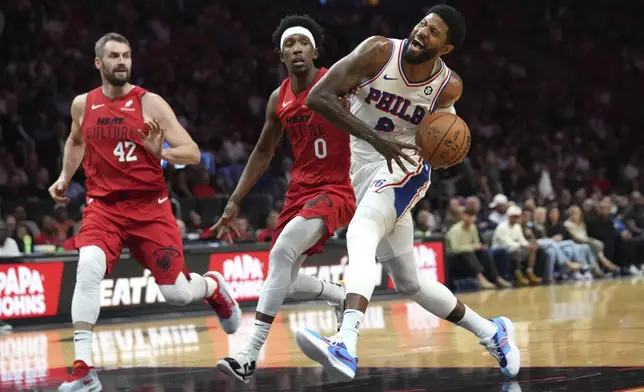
(444, 139)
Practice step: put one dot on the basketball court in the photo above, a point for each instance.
(575, 337)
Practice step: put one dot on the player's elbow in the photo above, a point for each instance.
(195, 154)
(318, 100)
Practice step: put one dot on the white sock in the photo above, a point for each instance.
(482, 328)
(211, 286)
(259, 335)
(349, 330)
(83, 346)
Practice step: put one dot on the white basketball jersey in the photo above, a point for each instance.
(391, 104)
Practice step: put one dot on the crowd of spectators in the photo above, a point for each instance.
(554, 125)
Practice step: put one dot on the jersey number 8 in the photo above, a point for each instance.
(385, 124)
(125, 151)
(319, 145)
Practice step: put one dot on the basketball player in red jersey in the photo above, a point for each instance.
(127, 201)
(320, 198)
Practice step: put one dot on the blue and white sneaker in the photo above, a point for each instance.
(331, 353)
(503, 348)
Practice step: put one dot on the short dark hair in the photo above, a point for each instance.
(455, 23)
(469, 211)
(298, 20)
(99, 47)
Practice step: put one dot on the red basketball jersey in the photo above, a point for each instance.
(322, 151)
(115, 159)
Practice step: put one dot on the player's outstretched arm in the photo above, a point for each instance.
(183, 150)
(257, 164)
(73, 152)
(263, 152)
(346, 75)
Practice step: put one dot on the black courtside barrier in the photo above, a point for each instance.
(38, 289)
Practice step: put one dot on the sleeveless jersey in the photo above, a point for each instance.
(391, 104)
(115, 159)
(322, 152)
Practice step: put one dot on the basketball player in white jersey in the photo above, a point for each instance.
(397, 83)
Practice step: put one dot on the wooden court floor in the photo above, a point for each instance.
(577, 337)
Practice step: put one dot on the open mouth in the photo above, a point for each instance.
(417, 44)
(298, 61)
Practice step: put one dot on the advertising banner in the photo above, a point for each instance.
(30, 290)
(45, 289)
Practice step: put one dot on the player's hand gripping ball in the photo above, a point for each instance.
(444, 139)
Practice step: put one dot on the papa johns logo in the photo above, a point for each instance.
(29, 290)
(244, 272)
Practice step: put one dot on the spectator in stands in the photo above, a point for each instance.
(235, 149)
(64, 225)
(243, 231)
(23, 239)
(634, 216)
(40, 188)
(8, 246)
(588, 208)
(267, 233)
(509, 235)
(576, 229)
(499, 207)
(48, 233)
(581, 253)
(453, 213)
(467, 256)
(12, 224)
(425, 224)
(8, 169)
(618, 246)
(180, 184)
(203, 189)
(527, 225)
(21, 217)
(193, 226)
(221, 186)
(16, 189)
(552, 246)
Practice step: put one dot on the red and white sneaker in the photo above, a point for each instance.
(224, 304)
(82, 379)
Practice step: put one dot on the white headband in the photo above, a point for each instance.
(296, 30)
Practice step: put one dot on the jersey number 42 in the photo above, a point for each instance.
(125, 151)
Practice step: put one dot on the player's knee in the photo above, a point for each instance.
(176, 294)
(282, 255)
(91, 266)
(407, 285)
(366, 220)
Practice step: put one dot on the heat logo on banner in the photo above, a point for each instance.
(130, 291)
(29, 290)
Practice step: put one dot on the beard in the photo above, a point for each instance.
(115, 80)
(417, 58)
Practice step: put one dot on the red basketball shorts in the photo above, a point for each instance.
(334, 203)
(145, 224)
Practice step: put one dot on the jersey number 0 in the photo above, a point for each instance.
(319, 145)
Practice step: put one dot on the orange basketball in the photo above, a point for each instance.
(444, 139)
